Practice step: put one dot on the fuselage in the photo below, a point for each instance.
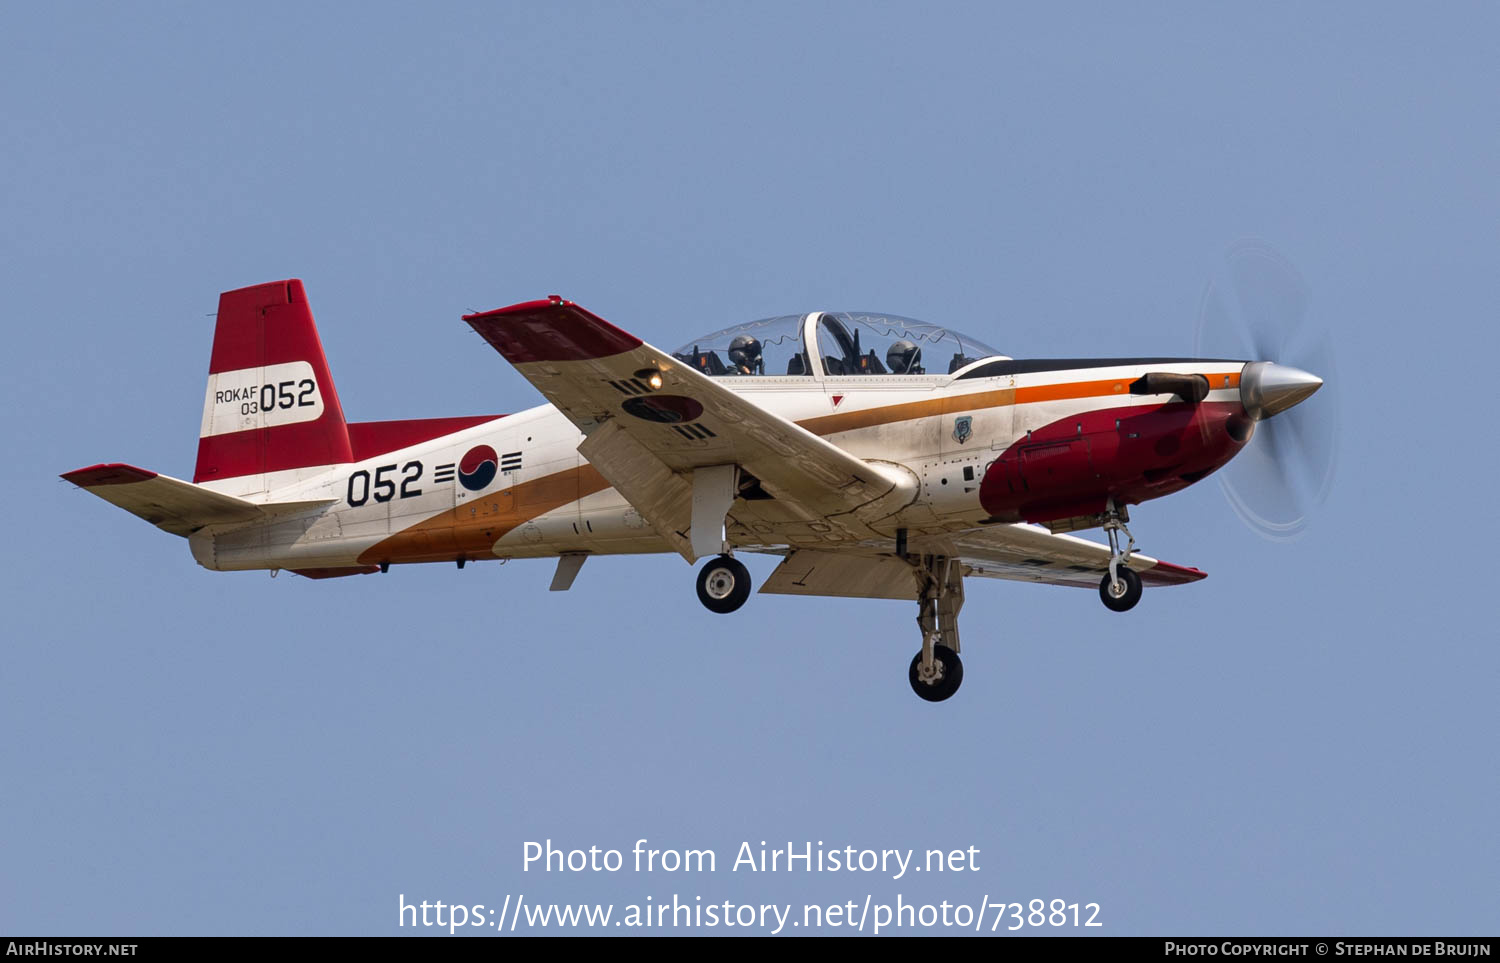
(999, 441)
(879, 456)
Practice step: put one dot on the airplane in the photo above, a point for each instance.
(877, 456)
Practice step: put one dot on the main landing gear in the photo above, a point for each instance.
(723, 584)
(937, 671)
(1121, 588)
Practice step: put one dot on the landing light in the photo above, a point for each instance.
(651, 376)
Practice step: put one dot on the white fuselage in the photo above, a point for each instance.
(411, 504)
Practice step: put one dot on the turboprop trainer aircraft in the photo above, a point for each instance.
(880, 457)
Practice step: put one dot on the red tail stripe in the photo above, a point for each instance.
(271, 449)
(263, 325)
(267, 324)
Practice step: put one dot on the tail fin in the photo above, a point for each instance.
(271, 405)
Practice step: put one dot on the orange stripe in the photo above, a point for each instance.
(870, 417)
(447, 535)
(888, 414)
(1072, 389)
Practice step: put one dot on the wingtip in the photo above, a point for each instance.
(114, 473)
(550, 330)
(519, 308)
(1165, 573)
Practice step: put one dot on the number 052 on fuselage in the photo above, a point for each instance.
(878, 456)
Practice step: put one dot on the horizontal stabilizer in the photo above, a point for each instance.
(172, 504)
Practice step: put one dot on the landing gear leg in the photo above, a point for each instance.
(1121, 588)
(937, 671)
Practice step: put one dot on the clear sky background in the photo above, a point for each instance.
(1303, 743)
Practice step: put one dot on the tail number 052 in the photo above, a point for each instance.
(382, 486)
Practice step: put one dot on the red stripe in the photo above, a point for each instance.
(112, 474)
(551, 330)
(267, 324)
(371, 438)
(308, 445)
(336, 572)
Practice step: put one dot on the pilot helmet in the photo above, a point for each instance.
(744, 351)
(903, 357)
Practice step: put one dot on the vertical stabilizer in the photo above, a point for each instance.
(271, 406)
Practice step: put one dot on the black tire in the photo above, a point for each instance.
(1125, 601)
(953, 675)
(723, 585)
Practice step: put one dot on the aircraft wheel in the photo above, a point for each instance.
(1123, 598)
(723, 585)
(940, 689)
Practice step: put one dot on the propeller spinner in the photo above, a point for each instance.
(1257, 308)
(1267, 388)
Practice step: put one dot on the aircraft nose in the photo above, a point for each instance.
(1267, 388)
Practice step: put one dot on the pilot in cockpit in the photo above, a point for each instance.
(745, 356)
(904, 357)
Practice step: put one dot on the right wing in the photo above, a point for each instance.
(1024, 553)
(1030, 553)
(649, 444)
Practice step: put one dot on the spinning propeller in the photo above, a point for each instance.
(1256, 308)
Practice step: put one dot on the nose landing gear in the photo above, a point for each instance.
(1121, 588)
(937, 671)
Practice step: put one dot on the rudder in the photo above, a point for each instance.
(271, 405)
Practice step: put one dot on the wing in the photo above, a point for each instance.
(1025, 553)
(688, 448)
(1030, 553)
(843, 575)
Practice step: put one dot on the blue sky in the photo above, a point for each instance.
(1302, 743)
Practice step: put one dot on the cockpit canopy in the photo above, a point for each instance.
(833, 343)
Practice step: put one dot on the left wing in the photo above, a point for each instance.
(667, 447)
